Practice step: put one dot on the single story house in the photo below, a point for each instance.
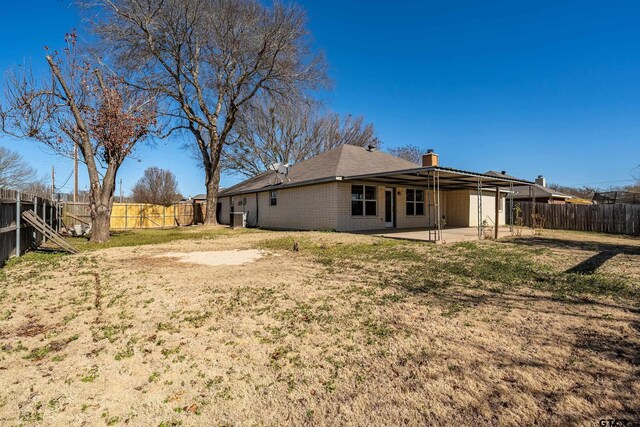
(352, 188)
(199, 198)
(540, 193)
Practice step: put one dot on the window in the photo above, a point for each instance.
(273, 199)
(363, 200)
(415, 202)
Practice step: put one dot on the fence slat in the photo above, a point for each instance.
(612, 218)
(17, 236)
(128, 216)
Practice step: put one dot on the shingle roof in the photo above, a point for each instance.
(520, 192)
(342, 161)
(494, 173)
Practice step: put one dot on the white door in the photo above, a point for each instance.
(388, 207)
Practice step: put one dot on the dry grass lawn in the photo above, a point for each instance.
(348, 330)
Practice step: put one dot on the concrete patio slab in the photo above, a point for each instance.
(449, 235)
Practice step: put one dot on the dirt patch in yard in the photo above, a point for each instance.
(348, 330)
(216, 258)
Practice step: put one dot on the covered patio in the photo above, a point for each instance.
(435, 180)
(448, 234)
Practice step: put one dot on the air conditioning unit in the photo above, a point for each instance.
(238, 220)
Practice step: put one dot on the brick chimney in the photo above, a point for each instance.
(540, 180)
(430, 159)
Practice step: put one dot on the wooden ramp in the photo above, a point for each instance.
(51, 234)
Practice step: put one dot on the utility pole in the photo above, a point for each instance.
(75, 172)
(53, 181)
(120, 190)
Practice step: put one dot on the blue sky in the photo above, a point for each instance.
(546, 87)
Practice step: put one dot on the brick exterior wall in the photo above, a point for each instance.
(328, 207)
(347, 222)
(312, 207)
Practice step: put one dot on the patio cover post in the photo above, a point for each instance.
(510, 207)
(438, 212)
(479, 204)
(497, 213)
(428, 201)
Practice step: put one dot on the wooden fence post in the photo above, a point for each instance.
(35, 209)
(44, 217)
(18, 216)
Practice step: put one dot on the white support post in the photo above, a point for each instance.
(438, 211)
(479, 207)
(496, 223)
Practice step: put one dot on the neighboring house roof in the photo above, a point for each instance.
(503, 175)
(200, 197)
(344, 160)
(522, 192)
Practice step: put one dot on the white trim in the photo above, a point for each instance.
(390, 191)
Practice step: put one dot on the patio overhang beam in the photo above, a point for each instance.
(446, 183)
(399, 181)
(449, 178)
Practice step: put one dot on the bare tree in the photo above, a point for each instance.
(15, 172)
(583, 192)
(38, 188)
(279, 132)
(408, 152)
(77, 105)
(208, 59)
(157, 186)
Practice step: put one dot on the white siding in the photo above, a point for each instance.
(488, 208)
(224, 210)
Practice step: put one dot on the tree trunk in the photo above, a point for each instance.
(100, 223)
(101, 204)
(213, 182)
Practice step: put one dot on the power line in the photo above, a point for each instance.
(65, 183)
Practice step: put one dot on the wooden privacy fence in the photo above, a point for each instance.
(16, 235)
(130, 216)
(615, 219)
